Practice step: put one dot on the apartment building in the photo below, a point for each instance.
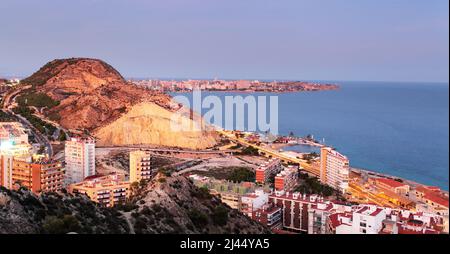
(80, 159)
(13, 132)
(6, 166)
(269, 215)
(106, 190)
(268, 170)
(41, 175)
(253, 201)
(334, 169)
(432, 198)
(140, 165)
(13, 144)
(371, 219)
(286, 179)
(295, 209)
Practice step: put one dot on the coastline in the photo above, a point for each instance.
(412, 183)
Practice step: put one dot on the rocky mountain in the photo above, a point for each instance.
(165, 205)
(174, 205)
(91, 95)
(22, 212)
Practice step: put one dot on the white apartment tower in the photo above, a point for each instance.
(80, 159)
(334, 169)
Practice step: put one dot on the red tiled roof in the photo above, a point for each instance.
(376, 212)
(390, 182)
(436, 199)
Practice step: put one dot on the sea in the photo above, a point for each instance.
(399, 129)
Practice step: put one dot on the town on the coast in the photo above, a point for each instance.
(251, 176)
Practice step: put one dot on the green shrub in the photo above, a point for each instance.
(241, 175)
(220, 216)
(198, 218)
(54, 225)
(37, 99)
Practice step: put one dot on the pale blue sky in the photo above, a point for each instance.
(391, 40)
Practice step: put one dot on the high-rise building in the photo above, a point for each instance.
(140, 166)
(334, 169)
(80, 159)
(38, 176)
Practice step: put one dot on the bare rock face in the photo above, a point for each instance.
(148, 123)
(92, 95)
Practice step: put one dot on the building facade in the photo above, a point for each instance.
(269, 215)
(286, 179)
(334, 169)
(140, 166)
(267, 170)
(80, 159)
(106, 190)
(253, 201)
(6, 167)
(38, 176)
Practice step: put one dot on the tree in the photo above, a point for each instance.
(241, 174)
(198, 218)
(54, 225)
(220, 216)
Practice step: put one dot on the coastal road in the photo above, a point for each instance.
(167, 150)
(304, 165)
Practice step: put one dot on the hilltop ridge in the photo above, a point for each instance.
(89, 94)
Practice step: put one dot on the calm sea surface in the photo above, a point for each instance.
(400, 129)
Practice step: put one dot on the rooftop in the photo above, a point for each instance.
(390, 182)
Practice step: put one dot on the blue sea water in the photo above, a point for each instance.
(400, 129)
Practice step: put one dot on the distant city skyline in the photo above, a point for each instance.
(289, 40)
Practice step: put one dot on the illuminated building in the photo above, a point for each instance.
(80, 159)
(13, 144)
(13, 132)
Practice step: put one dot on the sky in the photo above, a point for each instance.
(363, 40)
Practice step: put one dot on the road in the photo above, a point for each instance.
(40, 138)
(305, 166)
(167, 150)
(11, 96)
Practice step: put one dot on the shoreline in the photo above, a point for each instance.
(410, 182)
(404, 180)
